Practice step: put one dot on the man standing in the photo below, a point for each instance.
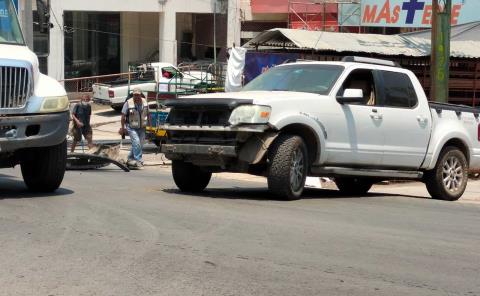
(81, 122)
(134, 121)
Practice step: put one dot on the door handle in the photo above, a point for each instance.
(422, 119)
(376, 116)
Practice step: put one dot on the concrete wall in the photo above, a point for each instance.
(140, 36)
(165, 10)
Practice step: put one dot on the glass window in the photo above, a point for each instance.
(301, 78)
(92, 43)
(398, 90)
(9, 28)
(361, 79)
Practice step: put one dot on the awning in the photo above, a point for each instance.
(361, 43)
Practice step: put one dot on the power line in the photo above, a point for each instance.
(70, 30)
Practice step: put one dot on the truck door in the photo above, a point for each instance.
(406, 121)
(356, 137)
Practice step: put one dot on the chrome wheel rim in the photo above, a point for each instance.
(297, 170)
(452, 174)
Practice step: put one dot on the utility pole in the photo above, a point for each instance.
(215, 33)
(440, 51)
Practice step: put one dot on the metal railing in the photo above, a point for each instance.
(84, 84)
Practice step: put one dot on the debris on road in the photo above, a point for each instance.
(100, 157)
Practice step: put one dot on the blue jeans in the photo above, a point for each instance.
(137, 136)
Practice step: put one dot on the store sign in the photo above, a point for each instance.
(414, 13)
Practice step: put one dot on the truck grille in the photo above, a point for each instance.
(15, 87)
(199, 117)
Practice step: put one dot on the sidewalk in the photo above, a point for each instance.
(105, 123)
(408, 189)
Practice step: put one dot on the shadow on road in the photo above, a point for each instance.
(264, 194)
(13, 188)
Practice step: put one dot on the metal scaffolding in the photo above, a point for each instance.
(314, 14)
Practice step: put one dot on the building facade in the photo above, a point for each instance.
(88, 38)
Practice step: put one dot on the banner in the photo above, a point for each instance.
(414, 13)
(5, 18)
(256, 62)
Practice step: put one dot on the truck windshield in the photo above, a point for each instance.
(317, 79)
(10, 32)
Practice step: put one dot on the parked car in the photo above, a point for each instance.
(359, 121)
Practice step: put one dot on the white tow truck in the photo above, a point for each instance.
(359, 121)
(33, 111)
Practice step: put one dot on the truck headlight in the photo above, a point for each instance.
(54, 104)
(250, 114)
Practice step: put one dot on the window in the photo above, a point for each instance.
(9, 28)
(361, 79)
(314, 78)
(398, 90)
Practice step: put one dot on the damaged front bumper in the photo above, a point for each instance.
(249, 145)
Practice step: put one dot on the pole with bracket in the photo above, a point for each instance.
(440, 50)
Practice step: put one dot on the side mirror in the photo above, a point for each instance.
(351, 95)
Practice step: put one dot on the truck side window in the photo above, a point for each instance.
(399, 90)
(361, 79)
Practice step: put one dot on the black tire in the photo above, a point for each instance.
(157, 142)
(189, 177)
(285, 152)
(117, 108)
(353, 185)
(43, 169)
(455, 164)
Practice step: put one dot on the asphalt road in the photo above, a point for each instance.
(113, 233)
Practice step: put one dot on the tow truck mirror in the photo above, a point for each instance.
(351, 95)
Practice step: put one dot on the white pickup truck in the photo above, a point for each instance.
(359, 121)
(170, 79)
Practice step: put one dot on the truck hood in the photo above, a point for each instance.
(20, 53)
(260, 97)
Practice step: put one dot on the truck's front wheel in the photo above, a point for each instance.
(288, 167)
(43, 168)
(189, 177)
(448, 180)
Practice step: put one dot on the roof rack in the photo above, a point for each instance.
(371, 61)
(289, 61)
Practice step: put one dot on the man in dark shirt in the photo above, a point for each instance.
(81, 122)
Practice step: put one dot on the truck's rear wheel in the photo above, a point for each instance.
(43, 168)
(448, 180)
(189, 177)
(353, 185)
(288, 167)
(117, 108)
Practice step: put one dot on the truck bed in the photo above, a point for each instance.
(439, 107)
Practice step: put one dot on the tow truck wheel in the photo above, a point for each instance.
(353, 186)
(43, 168)
(189, 177)
(288, 167)
(448, 180)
